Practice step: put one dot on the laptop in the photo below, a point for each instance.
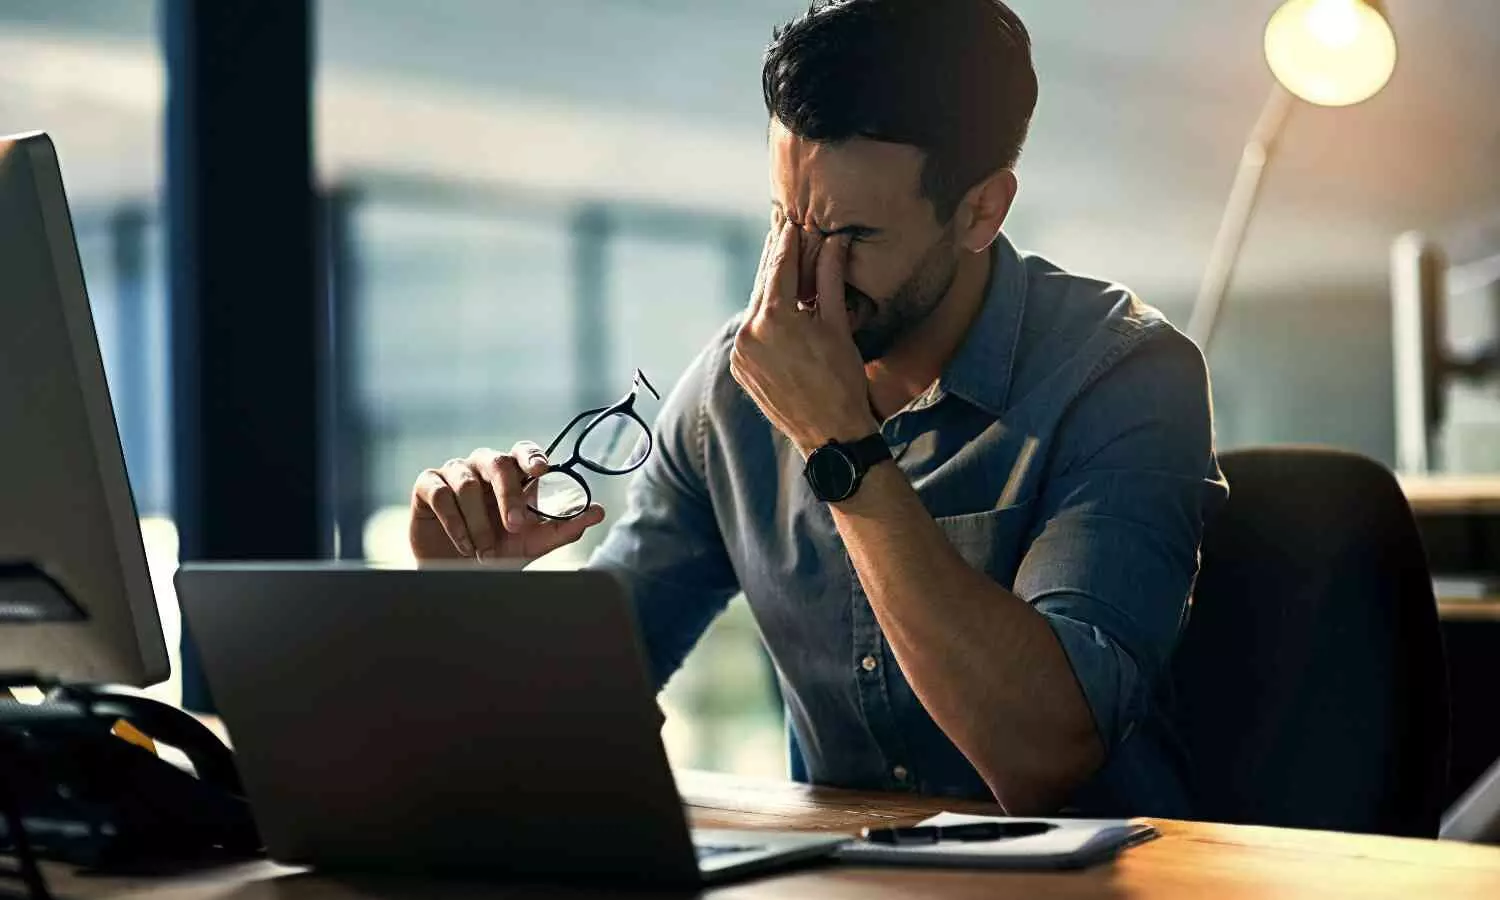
(466, 720)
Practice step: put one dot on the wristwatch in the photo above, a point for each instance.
(834, 470)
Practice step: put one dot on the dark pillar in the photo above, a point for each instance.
(347, 472)
(247, 326)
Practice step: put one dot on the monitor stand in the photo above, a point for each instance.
(29, 596)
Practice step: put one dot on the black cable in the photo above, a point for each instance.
(28, 869)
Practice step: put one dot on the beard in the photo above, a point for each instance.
(882, 324)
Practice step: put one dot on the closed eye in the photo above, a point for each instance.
(856, 233)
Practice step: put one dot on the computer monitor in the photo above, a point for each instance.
(65, 503)
(1445, 302)
(1418, 269)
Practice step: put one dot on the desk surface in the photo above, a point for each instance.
(1190, 860)
(1452, 494)
(1486, 609)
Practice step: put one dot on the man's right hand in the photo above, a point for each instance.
(475, 508)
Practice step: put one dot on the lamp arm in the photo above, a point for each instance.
(1238, 212)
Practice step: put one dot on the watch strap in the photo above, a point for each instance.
(868, 452)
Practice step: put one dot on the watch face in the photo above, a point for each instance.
(831, 473)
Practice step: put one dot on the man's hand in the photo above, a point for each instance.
(475, 508)
(798, 361)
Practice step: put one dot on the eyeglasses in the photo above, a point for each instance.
(615, 440)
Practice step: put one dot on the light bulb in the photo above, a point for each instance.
(1334, 23)
(1331, 52)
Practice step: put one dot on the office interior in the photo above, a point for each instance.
(514, 205)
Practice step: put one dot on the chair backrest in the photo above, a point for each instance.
(1311, 686)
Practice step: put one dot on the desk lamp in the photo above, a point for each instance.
(1324, 52)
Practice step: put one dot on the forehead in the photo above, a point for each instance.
(853, 177)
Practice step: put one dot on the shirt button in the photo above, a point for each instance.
(869, 663)
(899, 773)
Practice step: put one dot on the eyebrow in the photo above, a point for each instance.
(852, 229)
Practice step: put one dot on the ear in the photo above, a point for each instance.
(984, 208)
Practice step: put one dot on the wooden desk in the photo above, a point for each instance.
(1483, 610)
(1452, 494)
(1459, 497)
(1190, 860)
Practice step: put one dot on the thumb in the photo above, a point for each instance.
(570, 530)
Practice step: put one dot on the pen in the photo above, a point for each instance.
(973, 831)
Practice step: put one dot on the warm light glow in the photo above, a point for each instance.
(1334, 23)
(1331, 52)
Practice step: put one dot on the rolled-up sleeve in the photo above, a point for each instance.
(667, 548)
(1132, 480)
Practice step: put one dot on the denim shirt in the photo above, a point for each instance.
(1066, 452)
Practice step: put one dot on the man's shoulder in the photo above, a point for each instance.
(1060, 301)
(1103, 365)
(1077, 327)
(713, 360)
(708, 387)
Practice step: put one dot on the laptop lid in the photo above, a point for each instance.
(460, 719)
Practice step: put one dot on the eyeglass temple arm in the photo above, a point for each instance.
(583, 416)
(625, 403)
(640, 379)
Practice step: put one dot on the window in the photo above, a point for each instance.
(528, 203)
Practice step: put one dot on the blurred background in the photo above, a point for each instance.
(525, 201)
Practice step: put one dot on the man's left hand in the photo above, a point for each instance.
(797, 360)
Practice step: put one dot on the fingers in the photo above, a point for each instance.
(761, 273)
(533, 462)
(570, 530)
(781, 292)
(481, 504)
(505, 477)
(471, 496)
(809, 253)
(531, 457)
(833, 258)
(433, 497)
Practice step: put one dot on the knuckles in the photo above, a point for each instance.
(753, 332)
(432, 485)
(468, 486)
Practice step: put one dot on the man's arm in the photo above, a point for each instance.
(1036, 684)
(667, 549)
(984, 663)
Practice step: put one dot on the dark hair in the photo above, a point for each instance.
(952, 78)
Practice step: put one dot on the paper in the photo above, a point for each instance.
(1073, 843)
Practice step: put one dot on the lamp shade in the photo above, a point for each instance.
(1331, 52)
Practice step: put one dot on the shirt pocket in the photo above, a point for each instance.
(992, 541)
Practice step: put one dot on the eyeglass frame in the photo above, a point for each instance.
(626, 407)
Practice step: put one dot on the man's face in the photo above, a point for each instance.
(901, 260)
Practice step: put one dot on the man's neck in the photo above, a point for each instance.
(918, 360)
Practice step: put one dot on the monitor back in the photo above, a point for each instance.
(65, 500)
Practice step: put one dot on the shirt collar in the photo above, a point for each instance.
(981, 370)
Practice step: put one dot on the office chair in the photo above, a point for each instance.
(1311, 686)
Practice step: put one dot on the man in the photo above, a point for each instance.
(975, 589)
